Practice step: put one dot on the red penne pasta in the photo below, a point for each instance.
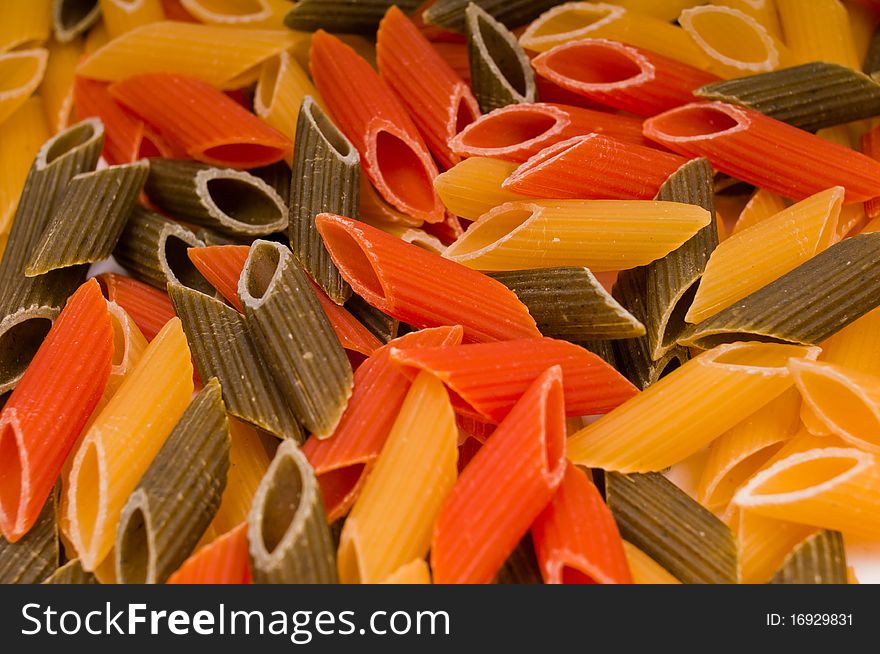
(202, 121)
(50, 406)
(150, 308)
(576, 539)
(222, 561)
(342, 461)
(393, 154)
(456, 57)
(594, 167)
(519, 131)
(621, 76)
(487, 379)
(421, 288)
(765, 152)
(221, 265)
(438, 100)
(870, 145)
(504, 488)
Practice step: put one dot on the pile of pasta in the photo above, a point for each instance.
(348, 291)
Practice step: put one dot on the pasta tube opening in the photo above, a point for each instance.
(263, 271)
(73, 17)
(569, 21)
(599, 64)
(733, 39)
(513, 126)
(497, 225)
(70, 139)
(552, 416)
(279, 505)
(807, 473)
(174, 254)
(241, 12)
(138, 547)
(21, 70)
(771, 359)
(13, 481)
(331, 134)
(237, 196)
(87, 510)
(20, 342)
(698, 122)
(406, 174)
(506, 58)
(352, 258)
(120, 335)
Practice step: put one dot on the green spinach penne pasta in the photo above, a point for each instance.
(71, 573)
(326, 178)
(381, 325)
(450, 14)
(668, 525)
(671, 281)
(223, 348)
(810, 96)
(153, 249)
(178, 496)
(71, 18)
(501, 73)
(820, 559)
(521, 567)
(295, 337)
(288, 536)
(225, 200)
(570, 304)
(28, 305)
(361, 16)
(91, 218)
(276, 175)
(807, 305)
(35, 556)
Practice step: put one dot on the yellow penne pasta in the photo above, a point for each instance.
(122, 16)
(248, 463)
(845, 401)
(266, 14)
(21, 72)
(97, 38)
(21, 135)
(856, 346)
(763, 11)
(24, 23)
(280, 91)
(740, 451)
(393, 518)
(735, 42)
(688, 408)
(760, 206)
(588, 20)
(644, 569)
(56, 89)
(129, 346)
(600, 234)
(762, 253)
(764, 543)
(818, 30)
(224, 56)
(414, 572)
(106, 569)
(122, 441)
(852, 220)
(831, 488)
(473, 186)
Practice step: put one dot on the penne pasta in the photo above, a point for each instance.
(407, 282)
(764, 543)
(818, 31)
(735, 380)
(129, 345)
(451, 14)
(342, 15)
(831, 488)
(474, 186)
(326, 170)
(56, 87)
(232, 202)
(71, 18)
(379, 127)
(35, 557)
(540, 234)
(499, 70)
(22, 135)
(758, 150)
(21, 72)
(519, 131)
(576, 538)
(259, 14)
(288, 538)
(50, 406)
(504, 488)
(621, 76)
(71, 573)
(148, 307)
(590, 385)
(281, 89)
(820, 559)
(758, 255)
(221, 265)
(223, 56)
(25, 24)
(292, 333)
(763, 11)
(120, 16)
(644, 569)
(223, 561)
(160, 524)
(123, 440)
(521, 567)
(414, 572)
(394, 515)
(762, 205)
(856, 346)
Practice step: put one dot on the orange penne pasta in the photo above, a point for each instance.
(870, 147)
(764, 543)
(393, 154)
(421, 288)
(760, 206)
(504, 488)
(148, 307)
(50, 406)
(591, 385)
(621, 76)
(437, 99)
(575, 536)
(343, 460)
(204, 123)
(221, 265)
(759, 150)
(594, 167)
(223, 561)
(519, 131)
